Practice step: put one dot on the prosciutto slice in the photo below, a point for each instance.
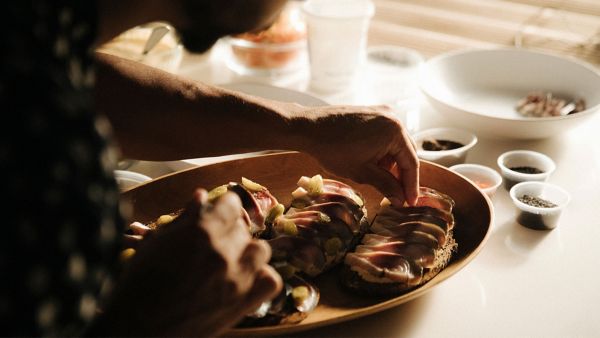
(257, 205)
(403, 241)
(326, 213)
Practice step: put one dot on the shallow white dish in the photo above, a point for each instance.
(479, 89)
(262, 90)
(537, 217)
(524, 158)
(448, 157)
(486, 178)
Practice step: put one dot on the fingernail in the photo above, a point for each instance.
(138, 228)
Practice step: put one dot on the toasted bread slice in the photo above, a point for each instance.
(353, 280)
(407, 247)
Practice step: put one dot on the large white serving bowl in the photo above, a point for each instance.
(479, 89)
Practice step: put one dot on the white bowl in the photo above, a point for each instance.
(539, 218)
(524, 158)
(485, 178)
(479, 89)
(445, 157)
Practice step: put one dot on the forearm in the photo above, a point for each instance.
(160, 116)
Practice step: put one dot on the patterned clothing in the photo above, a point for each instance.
(61, 225)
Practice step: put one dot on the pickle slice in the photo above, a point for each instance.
(252, 186)
(217, 192)
(315, 185)
(275, 212)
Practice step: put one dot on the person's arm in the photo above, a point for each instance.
(160, 116)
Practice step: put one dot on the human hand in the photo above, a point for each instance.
(366, 144)
(198, 276)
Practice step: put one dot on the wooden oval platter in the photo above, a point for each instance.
(279, 173)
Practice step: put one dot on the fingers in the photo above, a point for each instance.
(226, 221)
(228, 208)
(408, 168)
(402, 162)
(256, 254)
(192, 211)
(138, 228)
(266, 286)
(385, 182)
(131, 241)
(408, 172)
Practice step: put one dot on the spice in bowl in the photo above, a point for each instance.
(536, 202)
(526, 170)
(277, 48)
(437, 145)
(524, 165)
(485, 178)
(535, 220)
(445, 146)
(539, 204)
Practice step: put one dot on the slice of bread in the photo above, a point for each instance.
(352, 280)
(409, 247)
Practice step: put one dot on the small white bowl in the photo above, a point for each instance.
(480, 89)
(128, 179)
(524, 158)
(445, 157)
(535, 217)
(485, 178)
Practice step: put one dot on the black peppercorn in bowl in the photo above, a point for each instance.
(524, 165)
(445, 146)
(539, 204)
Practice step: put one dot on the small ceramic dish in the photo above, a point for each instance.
(540, 204)
(524, 165)
(445, 146)
(485, 178)
(278, 49)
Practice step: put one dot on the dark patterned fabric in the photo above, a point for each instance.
(60, 226)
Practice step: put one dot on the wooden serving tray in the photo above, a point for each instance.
(279, 173)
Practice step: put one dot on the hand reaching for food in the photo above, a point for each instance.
(199, 275)
(368, 145)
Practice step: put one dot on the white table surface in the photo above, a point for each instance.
(524, 283)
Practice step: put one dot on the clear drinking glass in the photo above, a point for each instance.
(337, 36)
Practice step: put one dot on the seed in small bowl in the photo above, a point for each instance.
(524, 165)
(539, 204)
(445, 146)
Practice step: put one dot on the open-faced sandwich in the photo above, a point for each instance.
(326, 226)
(326, 219)
(257, 201)
(406, 247)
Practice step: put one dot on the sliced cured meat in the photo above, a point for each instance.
(328, 213)
(406, 247)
